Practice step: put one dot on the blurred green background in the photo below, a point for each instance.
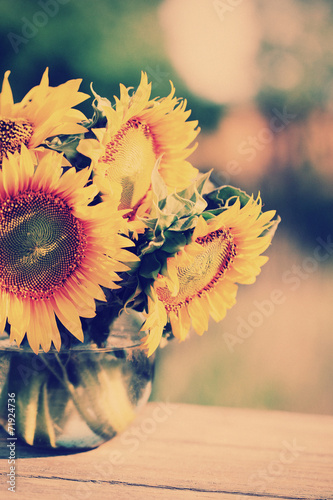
(257, 75)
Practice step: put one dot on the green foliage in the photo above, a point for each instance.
(223, 197)
(174, 217)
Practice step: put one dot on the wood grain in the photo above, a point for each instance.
(188, 452)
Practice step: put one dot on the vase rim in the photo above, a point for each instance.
(125, 333)
(113, 343)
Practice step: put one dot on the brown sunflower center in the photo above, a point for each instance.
(13, 134)
(41, 244)
(131, 156)
(204, 272)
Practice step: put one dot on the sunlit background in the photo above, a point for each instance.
(257, 74)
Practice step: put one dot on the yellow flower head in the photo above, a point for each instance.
(139, 131)
(44, 112)
(55, 249)
(200, 280)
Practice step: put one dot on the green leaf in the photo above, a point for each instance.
(224, 197)
(66, 144)
(150, 266)
(169, 209)
(193, 192)
(184, 224)
(174, 242)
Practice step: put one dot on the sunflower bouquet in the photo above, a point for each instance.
(105, 215)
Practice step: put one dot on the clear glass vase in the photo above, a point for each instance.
(77, 398)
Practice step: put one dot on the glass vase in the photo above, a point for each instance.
(79, 397)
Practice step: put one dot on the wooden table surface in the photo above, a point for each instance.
(188, 452)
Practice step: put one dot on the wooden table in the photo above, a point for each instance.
(188, 452)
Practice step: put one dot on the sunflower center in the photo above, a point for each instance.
(13, 134)
(131, 156)
(204, 272)
(41, 244)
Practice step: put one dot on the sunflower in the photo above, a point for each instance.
(55, 250)
(200, 280)
(139, 131)
(44, 112)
